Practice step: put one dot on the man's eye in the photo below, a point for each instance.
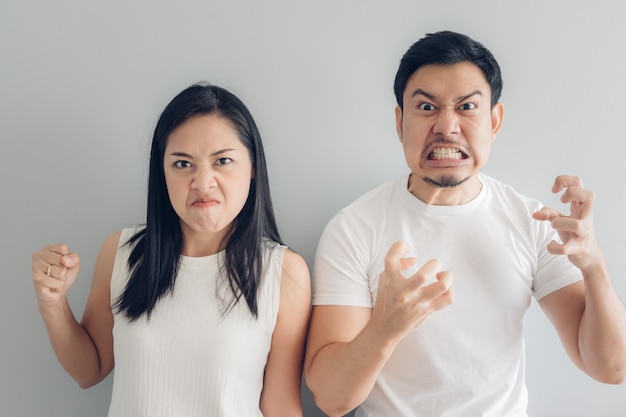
(467, 106)
(427, 107)
(182, 164)
(224, 161)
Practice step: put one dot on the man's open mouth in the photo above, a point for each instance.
(446, 153)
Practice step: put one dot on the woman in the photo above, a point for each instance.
(203, 310)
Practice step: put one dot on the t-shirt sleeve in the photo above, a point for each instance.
(340, 269)
(553, 271)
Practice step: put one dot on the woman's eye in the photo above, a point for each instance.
(182, 164)
(427, 107)
(224, 161)
(467, 106)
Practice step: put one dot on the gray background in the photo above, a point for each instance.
(82, 85)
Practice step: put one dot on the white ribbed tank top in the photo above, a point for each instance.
(189, 359)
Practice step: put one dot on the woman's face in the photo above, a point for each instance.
(207, 172)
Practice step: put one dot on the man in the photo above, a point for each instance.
(390, 330)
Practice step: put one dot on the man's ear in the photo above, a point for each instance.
(399, 122)
(497, 114)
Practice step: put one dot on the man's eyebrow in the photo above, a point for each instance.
(432, 97)
(473, 93)
(424, 93)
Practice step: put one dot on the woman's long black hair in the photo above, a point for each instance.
(157, 248)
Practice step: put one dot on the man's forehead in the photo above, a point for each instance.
(454, 81)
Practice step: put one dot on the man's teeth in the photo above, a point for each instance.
(446, 153)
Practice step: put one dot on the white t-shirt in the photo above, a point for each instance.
(467, 359)
(189, 360)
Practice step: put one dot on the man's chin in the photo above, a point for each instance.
(445, 181)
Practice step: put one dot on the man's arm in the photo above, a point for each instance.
(343, 357)
(588, 316)
(348, 346)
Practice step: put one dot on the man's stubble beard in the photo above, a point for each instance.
(445, 181)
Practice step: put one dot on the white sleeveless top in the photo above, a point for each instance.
(189, 359)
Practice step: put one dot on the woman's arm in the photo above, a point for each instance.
(281, 394)
(85, 349)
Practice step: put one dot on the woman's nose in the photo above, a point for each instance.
(204, 179)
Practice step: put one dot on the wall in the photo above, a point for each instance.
(82, 84)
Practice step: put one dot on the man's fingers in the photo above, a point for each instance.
(547, 214)
(581, 205)
(574, 193)
(569, 225)
(566, 181)
(442, 284)
(430, 268)
(556, 248)
(426, 274)
(393, 259)
(440, 293)
(407, 263)
(579, 197)
(566, 248)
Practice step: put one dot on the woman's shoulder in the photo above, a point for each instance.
(295, 273)
(294, 261)
(110, 244)
(118, 238)
(291, 262)
(129, 232)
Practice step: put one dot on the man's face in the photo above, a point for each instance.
(447, 127)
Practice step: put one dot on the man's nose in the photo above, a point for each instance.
(447, 122)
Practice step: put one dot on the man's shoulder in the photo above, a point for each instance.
(505, 193)
(367, 210)
(381, 193)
